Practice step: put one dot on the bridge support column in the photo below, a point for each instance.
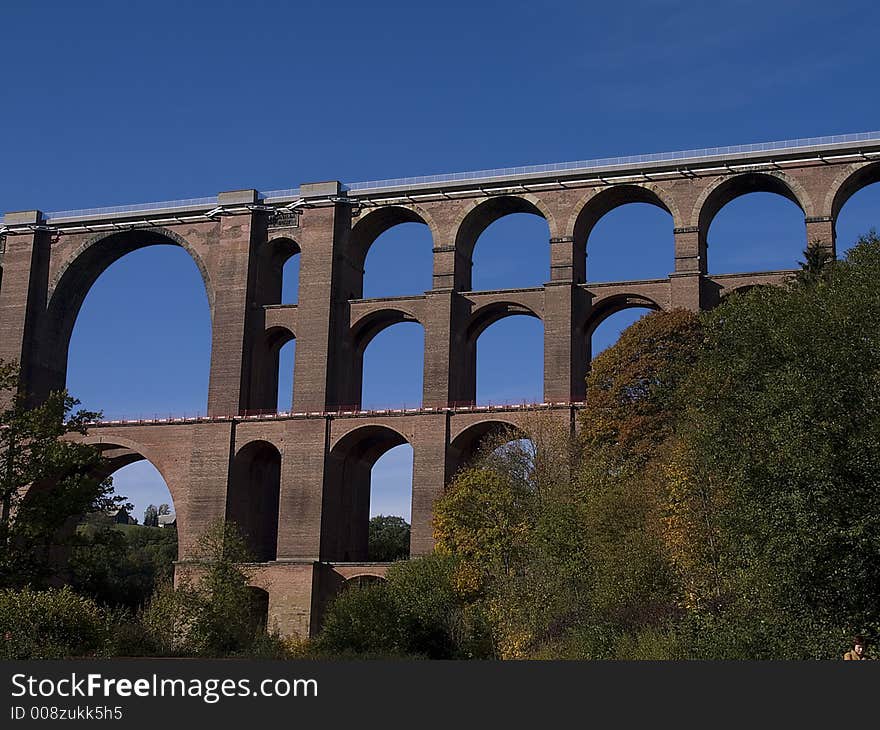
(429, 480)
(820, 229)
(686, 282)
(237, 322)
(323, 372)
(447, 366)
(302, 487)
(566, 350)
(23, 294)
(204, 494)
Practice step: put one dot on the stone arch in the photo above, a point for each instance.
(362, 333)
(126, 451)
(112, 247)
(275, 253)
(361, 580)
(468, 440)
(604, 308)
(274, 340)
(743, 289)
(76, 277)
(253, 494)
(487, 315)
(727, 188)
(593, 206)
(278, 336)
(258, 600)
(478, 215)
(365, 328)
(376, 221)
(848, 183)
(345, 506)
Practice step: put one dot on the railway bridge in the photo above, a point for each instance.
(298, 482)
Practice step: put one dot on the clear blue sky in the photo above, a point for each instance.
(130, 102)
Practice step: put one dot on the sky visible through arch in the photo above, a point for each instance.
(161, 101)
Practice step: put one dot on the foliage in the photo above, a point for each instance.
(212, 611)
(816, 266)
(46, 480)
(417, 611)
(51, 624)
(152, 513)
(121, 564)
(388, 538)
(783, 427)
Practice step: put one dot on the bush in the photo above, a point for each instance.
(52, 624)
(417, 612)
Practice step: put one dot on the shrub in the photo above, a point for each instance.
(52, 624)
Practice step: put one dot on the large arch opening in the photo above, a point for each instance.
(279, 345)
(286, 360)
(626, 233)
(120, 557)
(388, 361)
(129, 328)
(604, 331)
(609, 317)
(393, 368)
(856, 207)
(358, 488)
(279, 271)
(253, 495)
(405, 247)
(505, 239)
(481, 438)
(752, 222)
(384, 242)
(508, 355)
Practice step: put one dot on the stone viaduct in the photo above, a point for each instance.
(299, 482)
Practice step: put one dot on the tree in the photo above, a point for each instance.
(563, 541)
(783, 426)
(47, 481)
(388, 538)
(816, 266)
(417, 611)
(151, 516)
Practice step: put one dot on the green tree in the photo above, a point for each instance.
(46, 480)
(121, 564)
(783, 420)
(418, 611)
(388, 538)
(151, 516)
(816, 266)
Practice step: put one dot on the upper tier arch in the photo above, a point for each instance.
(715, 196)
(593, 206)
(480, 214)
(376, 221)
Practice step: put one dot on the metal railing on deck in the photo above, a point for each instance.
(271, 196)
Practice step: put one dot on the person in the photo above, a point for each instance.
(857, 653)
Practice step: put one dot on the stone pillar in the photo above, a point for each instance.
(302, 486)
(821, 229)
(566, 351)
(323, 370)
(237, 321)
(686, 282)
(204, 501)
(446, 366)
(429, 479)
(568, 261)
(452, 269)
(565, 342)
(23, 296)
(447, 353)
